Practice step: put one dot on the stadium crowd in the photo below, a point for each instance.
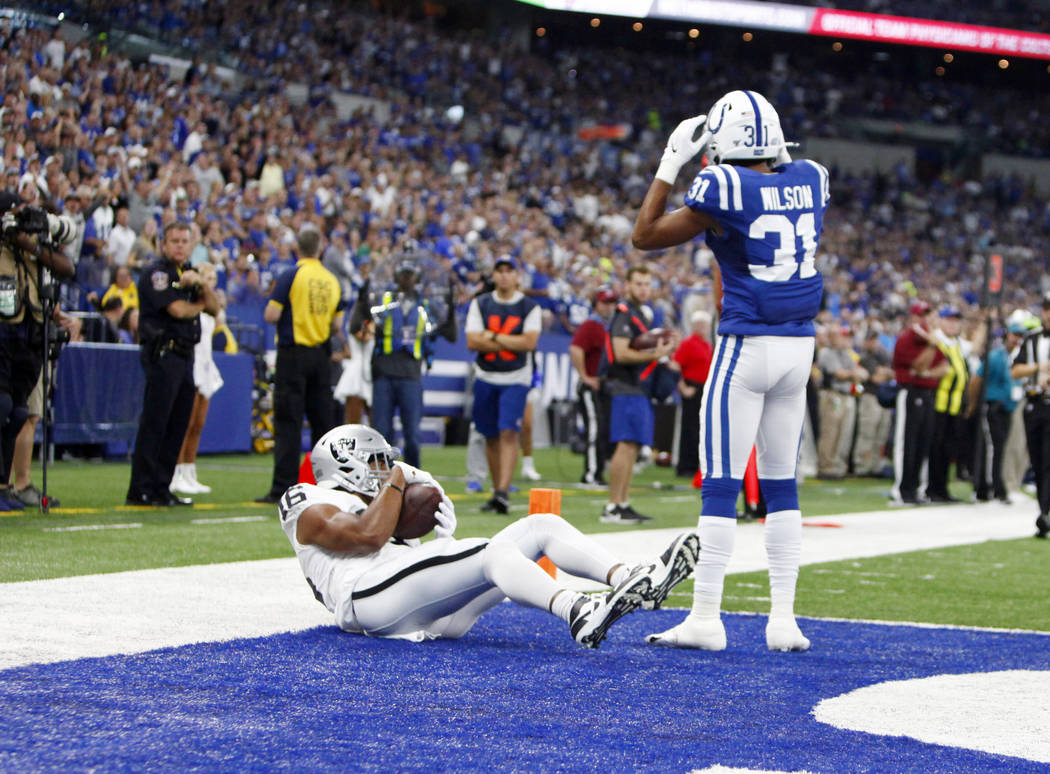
(126, 147)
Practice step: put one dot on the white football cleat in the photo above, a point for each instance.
(695, 633)
(783, 634)
(669, 569)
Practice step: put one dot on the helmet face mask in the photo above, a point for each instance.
(355, 458)
(744, 127)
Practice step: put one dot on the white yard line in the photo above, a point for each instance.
(131, 612)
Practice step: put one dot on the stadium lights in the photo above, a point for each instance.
(694, 33)
(541, 31)
(62, 16)
(1004, 63)
(748, 37)
(949, 58)
(637, 26)
(836, 46)
(596, 22)
(940, 70)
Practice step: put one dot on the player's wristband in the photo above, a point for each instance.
(401, 490)
(668, 171)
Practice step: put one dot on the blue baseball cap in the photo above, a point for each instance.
(505, 260)
(950, 311)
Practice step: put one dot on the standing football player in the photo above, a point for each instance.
(762, 214)
(342, 530)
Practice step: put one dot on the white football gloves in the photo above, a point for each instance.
(446, 519)
(681, 148)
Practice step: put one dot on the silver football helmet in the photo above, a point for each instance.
(745, 127)
(356, 458)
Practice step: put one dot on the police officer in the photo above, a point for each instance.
(306, 306)
(21, 319)
(404, 331)
(171, 299)
(1032, 365)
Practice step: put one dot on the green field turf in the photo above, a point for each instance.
(999, 583)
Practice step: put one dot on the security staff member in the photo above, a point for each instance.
(306, 306)
(21, 323)
(1032, 364)
(404, 331)
(949, 437)
(171, 299)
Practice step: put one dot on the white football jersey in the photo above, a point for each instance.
(331, 575)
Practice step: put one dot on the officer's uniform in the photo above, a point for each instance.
(166, 355)
(1035, 349)
(309, 297)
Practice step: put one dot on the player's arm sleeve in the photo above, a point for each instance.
(711, 192)
(822, 181)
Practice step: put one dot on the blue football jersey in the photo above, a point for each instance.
(767, 251)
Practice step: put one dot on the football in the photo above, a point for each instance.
(418, 507)
(650, 339)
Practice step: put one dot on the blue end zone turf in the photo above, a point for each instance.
(516, 693)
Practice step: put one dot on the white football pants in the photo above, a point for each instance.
(755, 396)
(443, 586)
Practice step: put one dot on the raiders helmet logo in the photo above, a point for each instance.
(341, 448)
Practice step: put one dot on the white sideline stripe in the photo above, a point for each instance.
(101, 615)
(230, 520)
(91, 527)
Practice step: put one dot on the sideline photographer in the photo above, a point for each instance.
(171, 299)
(30, 242)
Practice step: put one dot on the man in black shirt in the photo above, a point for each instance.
(631, 413)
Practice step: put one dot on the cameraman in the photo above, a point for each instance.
(22, 254)
(171, 299)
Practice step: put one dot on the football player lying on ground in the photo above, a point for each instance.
(342, 530)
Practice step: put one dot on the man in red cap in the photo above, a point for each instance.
(585, 352)
(918, 365)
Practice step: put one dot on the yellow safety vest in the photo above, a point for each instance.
(953, 384)
(391, 310)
